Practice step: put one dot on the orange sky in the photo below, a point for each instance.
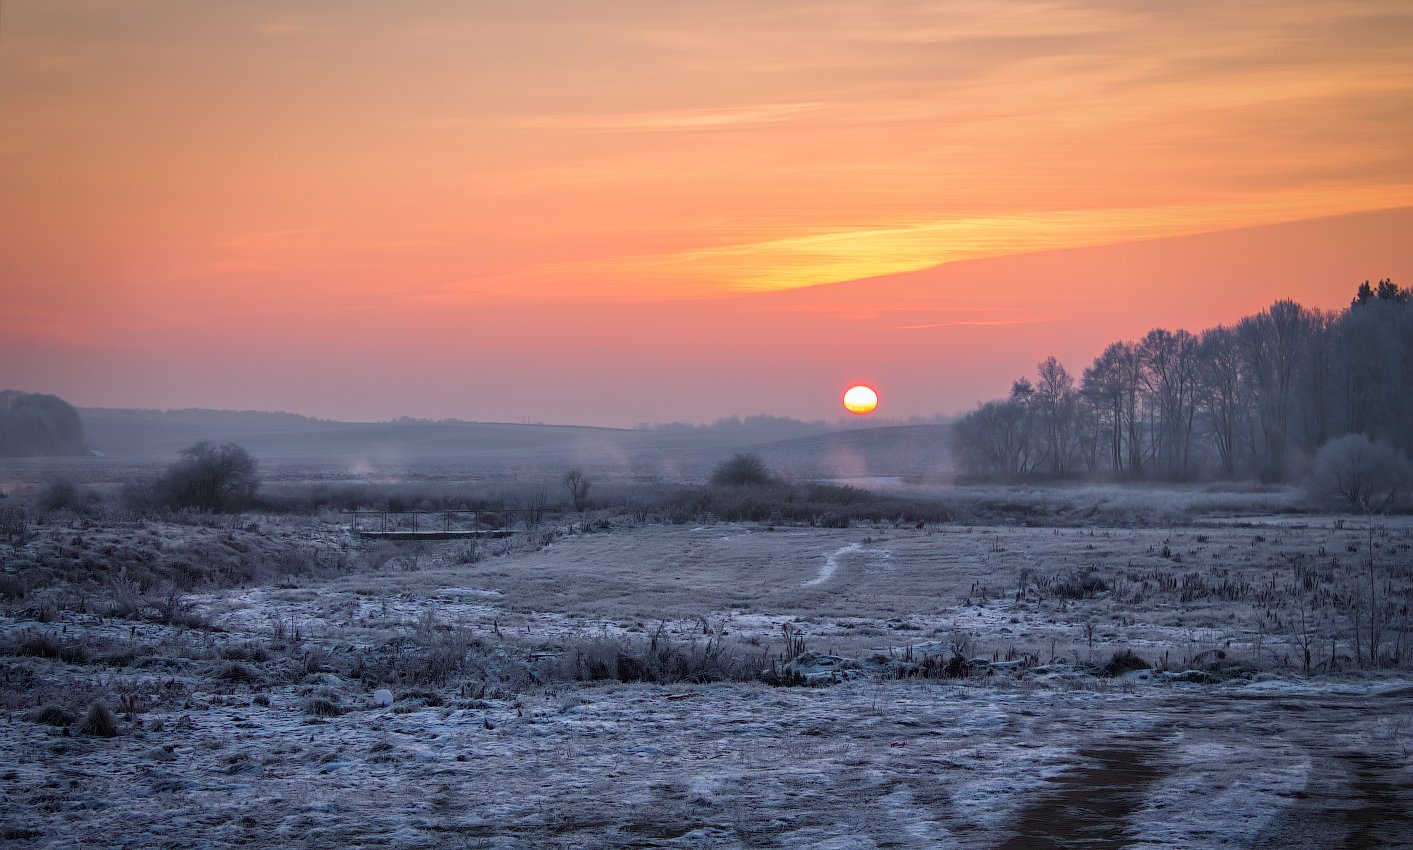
(559, 211)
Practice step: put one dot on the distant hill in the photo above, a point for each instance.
(38, 425)
(904, 450)
(289, 445)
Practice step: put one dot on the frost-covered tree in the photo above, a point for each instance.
(37, 425)
(1361, 473)
(209, 478)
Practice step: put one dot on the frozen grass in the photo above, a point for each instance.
(731, 766)
(530, 708)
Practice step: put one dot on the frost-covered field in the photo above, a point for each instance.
(251, 716)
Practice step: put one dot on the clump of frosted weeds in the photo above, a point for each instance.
(51, 715)
(99, 722)
(322, 706)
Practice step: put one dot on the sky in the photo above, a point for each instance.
(614, 212)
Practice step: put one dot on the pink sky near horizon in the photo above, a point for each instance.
(614, 213)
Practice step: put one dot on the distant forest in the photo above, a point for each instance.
(1256, 399)
(35, 425)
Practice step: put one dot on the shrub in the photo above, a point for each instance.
(322, 707)
(1122, 662)
(741, 470)
(99, 722)
(62, 494)
(11, 587)
(51, 715)
(1078, 585)
(14, 524)
(209, 478)
(44, 646)
(663, 661)
(1356, 471)
(238, 674)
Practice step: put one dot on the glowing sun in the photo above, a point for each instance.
(860, 399)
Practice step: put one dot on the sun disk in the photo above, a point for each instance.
(860, 399)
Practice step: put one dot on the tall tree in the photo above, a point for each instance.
(1054, 401)
(1220, 392)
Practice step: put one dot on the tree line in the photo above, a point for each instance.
(1256, 399)
(37, 425)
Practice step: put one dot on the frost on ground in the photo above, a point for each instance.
(862, 765)
(422, 702)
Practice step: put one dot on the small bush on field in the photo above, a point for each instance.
(322, 707)
(1123, 662)
(238, 674)
(61, 494)
(662, 661)
(248, 651)
(1077, 585)
(431, 699)
(741, 470)
(1354, 471)
(51, 715)
(14, 523)
(46, 646)
(99, 722)
(11, 587)
(206, 478)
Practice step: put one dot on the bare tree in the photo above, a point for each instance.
(578, 487)
(209, 478)
(1168, 362)
(1054, 401)
(1219, 391)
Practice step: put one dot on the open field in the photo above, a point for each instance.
(607, 681)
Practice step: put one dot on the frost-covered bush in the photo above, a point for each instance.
(1361, 473)
(741, 470)
(208, 478)
(322, 706)
(99, 722)
(62, 494)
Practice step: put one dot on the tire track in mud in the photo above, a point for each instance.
(1092, 804)
(1353, 801)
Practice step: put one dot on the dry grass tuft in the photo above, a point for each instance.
(99, 722)
(51, 715)
(322, 707)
